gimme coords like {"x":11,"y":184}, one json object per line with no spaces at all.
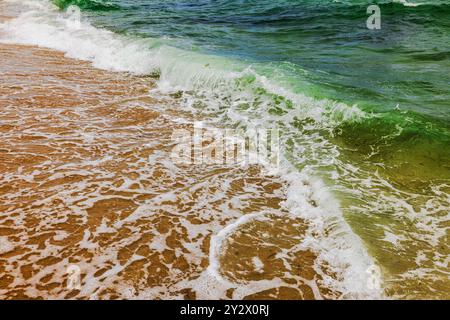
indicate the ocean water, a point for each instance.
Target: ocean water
{"x":364,"y":114}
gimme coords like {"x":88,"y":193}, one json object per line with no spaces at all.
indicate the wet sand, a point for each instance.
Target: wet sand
{"x":85,"y":180}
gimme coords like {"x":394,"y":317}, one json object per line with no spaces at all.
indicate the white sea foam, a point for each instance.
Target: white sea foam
{"x":408,"y":4}
{"x":5,"y":245}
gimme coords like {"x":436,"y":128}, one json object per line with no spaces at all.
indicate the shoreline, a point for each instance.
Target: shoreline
{"x":67,"y":154}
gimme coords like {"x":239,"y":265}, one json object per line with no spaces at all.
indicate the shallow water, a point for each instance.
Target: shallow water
{"x":360,"y":187}
{"x":87,"y":181}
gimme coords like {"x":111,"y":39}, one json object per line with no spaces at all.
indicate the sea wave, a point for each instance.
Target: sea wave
{"x":239,"y":96}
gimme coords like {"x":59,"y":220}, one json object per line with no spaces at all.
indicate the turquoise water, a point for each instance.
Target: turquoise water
{"x":386,"y":158}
